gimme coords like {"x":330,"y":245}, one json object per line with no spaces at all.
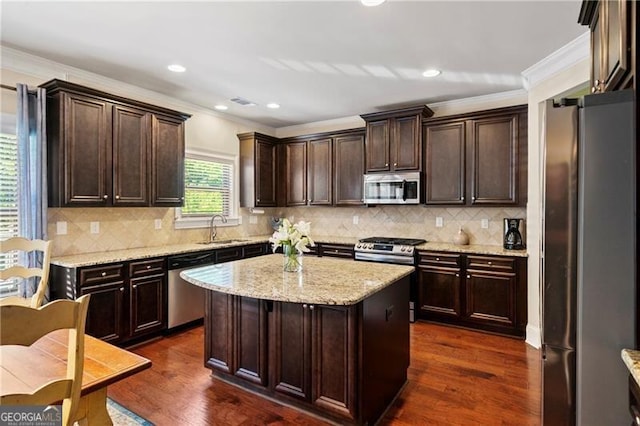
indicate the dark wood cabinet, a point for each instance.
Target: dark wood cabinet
{"x":394,"y":139}
{"x":477,"y":159}
{"x":320,"y":172}
{"x":258,"y":170}
{"x":610,"y":23}
{"x":128,"y":300}
{"x":482,"y":292}
{"x":251,"y":340}
{"x":296,"y":173}
{"x":349,"y":170}
{"x":105,"y":150}
{"x":167,"y":159}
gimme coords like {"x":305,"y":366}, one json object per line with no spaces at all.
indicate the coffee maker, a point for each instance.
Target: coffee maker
{"x":513,"y":234}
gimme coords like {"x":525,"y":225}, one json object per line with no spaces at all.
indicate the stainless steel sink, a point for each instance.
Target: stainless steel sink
{"x":220,"y":242}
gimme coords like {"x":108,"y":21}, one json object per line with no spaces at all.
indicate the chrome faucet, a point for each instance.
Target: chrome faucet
{"x":213,"y":229}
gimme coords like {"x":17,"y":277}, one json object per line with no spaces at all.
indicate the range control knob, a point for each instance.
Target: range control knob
{"x":359,"y":245}
{"x":403,"y":248}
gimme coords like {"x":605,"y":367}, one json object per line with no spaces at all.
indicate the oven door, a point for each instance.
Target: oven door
{"x":392,"y":189}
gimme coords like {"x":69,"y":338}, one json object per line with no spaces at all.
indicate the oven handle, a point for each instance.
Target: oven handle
{"x":374,"y":257}
{"x":404,"y":190}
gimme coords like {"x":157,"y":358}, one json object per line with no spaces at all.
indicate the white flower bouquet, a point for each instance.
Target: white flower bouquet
{"x":294,"y":240}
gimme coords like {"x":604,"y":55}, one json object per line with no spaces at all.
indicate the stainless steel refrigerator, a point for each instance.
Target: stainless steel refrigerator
{"x":588,"y":258}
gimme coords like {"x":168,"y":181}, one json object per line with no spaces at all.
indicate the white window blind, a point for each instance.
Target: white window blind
{"x":8,"y":207}
{"x":208,"y":187}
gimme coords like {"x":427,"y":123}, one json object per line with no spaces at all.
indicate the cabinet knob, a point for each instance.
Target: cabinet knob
{"x":489,"y":263}
{"x":304,"y":306}
{"x":181,"y":198}
{"x":117,"y":197}
{"x":311,"y":307}
{"x":386,"y":164}
{"x":257,"y":199}
{"x":135,"y":286}
{"x":121,"y":289}
{"x":438,"y":259}
{"x":468,"y":276}
{"x":148,"y":266}
{"x":462,"y":198}
{"x":105,"y":196}
{"x":395,"y":164}
{"x":473,"y":198}
{"x":104,"y":274}
{"x":457,"y":275}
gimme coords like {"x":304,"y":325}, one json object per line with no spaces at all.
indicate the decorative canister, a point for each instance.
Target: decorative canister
{"x":461,"y":238}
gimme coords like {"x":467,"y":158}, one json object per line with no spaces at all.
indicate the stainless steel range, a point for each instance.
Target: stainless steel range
{"x":387,"y":250}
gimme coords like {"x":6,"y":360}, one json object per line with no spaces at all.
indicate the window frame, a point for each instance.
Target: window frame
{"x":203,"y":221}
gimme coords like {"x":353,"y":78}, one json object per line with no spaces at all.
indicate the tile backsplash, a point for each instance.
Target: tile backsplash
{"x":123,"y":228}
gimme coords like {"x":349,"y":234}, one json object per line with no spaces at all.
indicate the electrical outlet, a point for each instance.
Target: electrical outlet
{"x":484,"y":223}
{"x":61,"y":228}
{"x":95,"y":227}
{"x":356,"y":220}
{"x":157,"y":223}
{"x":253,"y":219}
{"x":439,"y":222}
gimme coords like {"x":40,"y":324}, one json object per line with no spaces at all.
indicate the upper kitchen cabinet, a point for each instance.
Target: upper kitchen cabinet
{"x":349,"y":162}
{"x":258,"y":170}
{"x":611,"y":41}
{"x":394,"y":139}
{"x":477,"y":159}
{"x":105,"y":150}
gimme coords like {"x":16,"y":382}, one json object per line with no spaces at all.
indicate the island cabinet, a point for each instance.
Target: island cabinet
{"x":612,"y":25}
{"x":258,"y":170}
{"x":477,"y":291}
{"x":477,"y":159}
{"x":128,"y":299}
{"x":105,"y":150}
{"x":394,"y":139}
{"x":323,"y":169}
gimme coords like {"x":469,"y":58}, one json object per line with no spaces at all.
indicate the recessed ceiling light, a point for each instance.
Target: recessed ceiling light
{"x":372,"y":2}
{"x":221,"y":107}
{"x":273,"y":105}
{"x":176,"y":68}
{"x":431,"y":73}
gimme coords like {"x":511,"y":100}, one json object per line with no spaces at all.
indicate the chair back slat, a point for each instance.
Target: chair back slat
{"x":20,"y":271}
{"x":44,"y":395}
{"x":32,"y":323}
{"x":26,"y":245}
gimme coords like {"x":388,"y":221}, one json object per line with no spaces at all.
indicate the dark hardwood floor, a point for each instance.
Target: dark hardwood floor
{"x":456,"y":377}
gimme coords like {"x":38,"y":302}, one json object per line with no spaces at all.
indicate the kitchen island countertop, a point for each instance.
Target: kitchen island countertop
{"x":631,"y":359}
{"x":323,"y":280}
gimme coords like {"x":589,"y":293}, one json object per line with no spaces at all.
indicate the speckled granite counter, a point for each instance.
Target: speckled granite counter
{"x":631,"y":359}
{"x":471,"y":249}
{"x":323,"y":280}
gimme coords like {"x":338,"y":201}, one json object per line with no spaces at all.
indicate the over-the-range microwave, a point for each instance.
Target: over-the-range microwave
{"x":400,"y":188}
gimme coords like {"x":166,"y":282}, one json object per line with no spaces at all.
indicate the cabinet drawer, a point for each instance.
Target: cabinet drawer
{"x":255,"y":250}
{"x":439,"y":259}
{"x":335,"y":250}
{"x":101,"y":274}
{"x":491,"y":263}
{"x":146,"y":267}
{"x":229,"y":254}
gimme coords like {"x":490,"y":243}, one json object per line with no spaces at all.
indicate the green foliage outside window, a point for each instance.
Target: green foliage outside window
{"x":207,"y":187}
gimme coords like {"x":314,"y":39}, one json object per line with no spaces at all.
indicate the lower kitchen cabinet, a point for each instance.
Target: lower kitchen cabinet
{"x":483,"y":292}
{"x":128,"y":300}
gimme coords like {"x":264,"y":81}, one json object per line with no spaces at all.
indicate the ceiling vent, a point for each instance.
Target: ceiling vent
{"x":243,"y":102}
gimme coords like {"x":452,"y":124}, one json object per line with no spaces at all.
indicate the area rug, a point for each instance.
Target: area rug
{"x":124,"y":417}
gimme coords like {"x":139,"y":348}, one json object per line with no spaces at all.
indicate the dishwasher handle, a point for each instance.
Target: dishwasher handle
{"x":193,"y":259}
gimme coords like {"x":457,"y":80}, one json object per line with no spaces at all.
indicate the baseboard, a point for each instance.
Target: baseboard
{"x":534,"y":337}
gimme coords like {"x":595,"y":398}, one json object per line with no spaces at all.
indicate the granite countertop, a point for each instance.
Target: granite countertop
{"x":323,"y":280}
{"x":631,"y":359}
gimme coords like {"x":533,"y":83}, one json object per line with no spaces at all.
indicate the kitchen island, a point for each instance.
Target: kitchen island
{"x":332,"y":339}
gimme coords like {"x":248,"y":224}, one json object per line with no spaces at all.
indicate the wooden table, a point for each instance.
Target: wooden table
{"x":24,"y":369}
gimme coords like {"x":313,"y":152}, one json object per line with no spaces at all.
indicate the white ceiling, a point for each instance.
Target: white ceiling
{"x":318,"y":59}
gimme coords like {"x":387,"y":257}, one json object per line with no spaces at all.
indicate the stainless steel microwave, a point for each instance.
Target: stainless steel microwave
{"x":400,"y":188}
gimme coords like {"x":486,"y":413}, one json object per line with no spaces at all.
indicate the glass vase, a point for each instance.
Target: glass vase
{"x":292,"y":259}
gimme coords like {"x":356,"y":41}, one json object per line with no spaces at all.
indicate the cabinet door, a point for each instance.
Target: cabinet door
{"x":167,"y":159}
{"x":87,"y":153}
{"x":494,"y":160}
{"x":377,"y":146}
{"x":445,"y":163}
{"x":406,"y":143}
{"x":131,"y":134}
{"x":147,"y":304}
{"x":319,"y":169}
{"x":334,"y":360}
{"x":491,"y":297}
{"x":439,"y":293}
{"x":616,"y":52}
{"x":251,"y":340}
{"x":218,"y":331}
{"x":290,"y":335}
{"x":296,"y":173}
{"x":265,"y":173}
{"x":349,"y":170}
{"x":105,"y":318}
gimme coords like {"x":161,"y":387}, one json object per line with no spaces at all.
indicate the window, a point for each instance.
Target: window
{"x":8,"y":207}
{"x":210,"y":189}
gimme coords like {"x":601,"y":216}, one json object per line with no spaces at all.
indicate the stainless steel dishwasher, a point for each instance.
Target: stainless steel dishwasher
{"x":186,"y":301}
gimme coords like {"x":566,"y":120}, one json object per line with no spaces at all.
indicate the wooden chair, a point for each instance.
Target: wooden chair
{"x":23,"y":325}
{"x":25,"y":245}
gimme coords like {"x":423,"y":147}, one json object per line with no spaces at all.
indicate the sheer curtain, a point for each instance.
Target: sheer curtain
{"x":32,"y":173}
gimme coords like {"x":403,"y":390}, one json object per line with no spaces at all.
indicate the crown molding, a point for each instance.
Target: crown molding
{"x":560,"y":60}
{"x":38,"y":67}
{"x":513,"y":97}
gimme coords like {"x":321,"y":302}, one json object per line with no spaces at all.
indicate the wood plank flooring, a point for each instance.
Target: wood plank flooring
{"x":456,"y":377}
